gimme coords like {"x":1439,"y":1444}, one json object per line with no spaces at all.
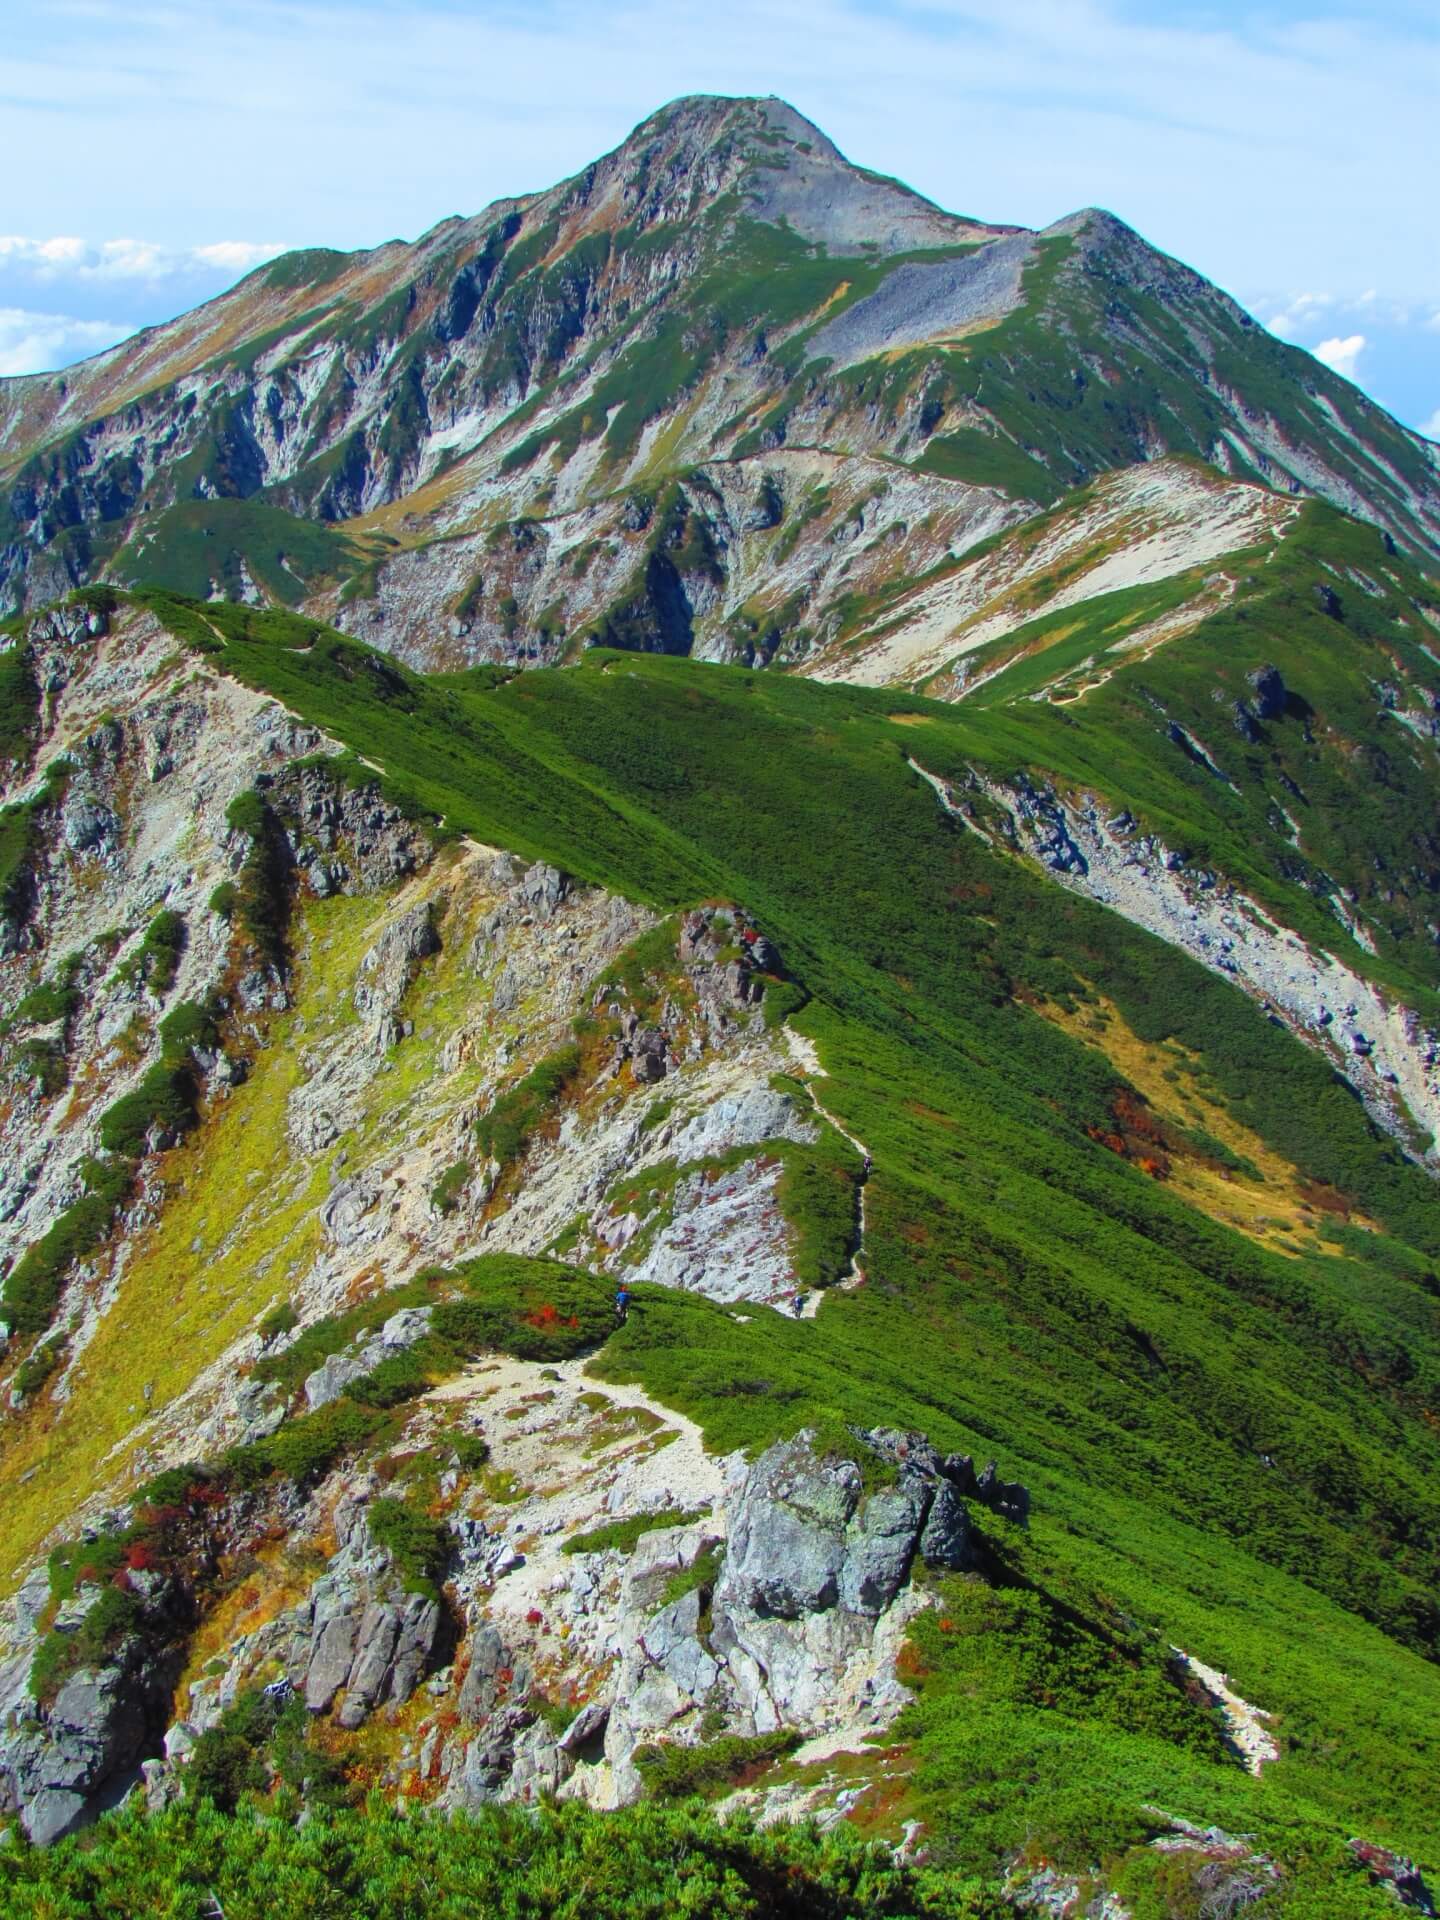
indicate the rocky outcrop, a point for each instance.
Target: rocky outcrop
{"x":1397,"y":1873}
{"x":338,"y":1371}
{"x":1380,"y":1045}
{"x":345,"y":838}
{"x":794,"y":1621}
{"x":63,"y":1759}
{"x":388,"y":969}
{"x":358,"y":1640}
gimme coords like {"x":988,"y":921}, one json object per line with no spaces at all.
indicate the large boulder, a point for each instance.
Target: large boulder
{"x":58,"y":1761}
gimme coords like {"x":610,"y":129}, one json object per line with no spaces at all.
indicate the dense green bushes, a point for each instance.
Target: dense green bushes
{"x":57,"y":998}
{"x":534,"y":1309}
{"x":258,"y":900}
{"x":563,"y":1862}
{"x":673,"y":1772}
{"x":418,"y":1545}
{"x":164,"y":1100}
{"x":446,"y":1192}
{"x":156,"y":960}
{"x":111,"y":1616}
{"x":19,"y":702}
{"x":32,"y":1287}
{"x":518,"y":1113}
{"x":620,"y":1536}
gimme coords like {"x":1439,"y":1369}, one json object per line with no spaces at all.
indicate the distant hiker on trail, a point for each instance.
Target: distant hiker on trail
{"x":622,"y":1305}
{"x":797,"y":1304}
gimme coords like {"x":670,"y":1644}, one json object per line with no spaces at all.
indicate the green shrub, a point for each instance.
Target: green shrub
{"x":157,"y":960}
{"x":112,"y":1615}
{"x":472,"y":1450}
{"x":173,"y":1487}
{"x":281,"y":1319}
{"x":260,"y":901}
{"x":165,"y":1098}
{"x":533,"y":1309}
{"x":189,"y":1026}
{"x":54,"y":999}
{"x":702,"y":1573}
{"x":620,"y":1536}
{"x":517,"y":1114}
{"x":305,"y":1448}
{"x":323,"y":1337}
{"x":377,"y":1862}
{"x":42,"y":1062}
{"x":223,"y":1766}
{"x":446,"y":1192}
{"x":224,"y":899}
{"x":398,"y":1377}
{"x":36,"y":1368}
{"x":672,"y":1772}
{"x":418,"y":1545}
{"x":19,"y":703}
{"x":247,"y":813}
{"x":32,"y":1287}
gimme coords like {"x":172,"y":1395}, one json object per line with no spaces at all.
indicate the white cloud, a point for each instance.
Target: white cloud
{"x":66,"y":257}
{"x":239,"y":256}
{"x":1431,"y":427}
{"x":34,"y":342}
{"x":1294,"y":315}
{"x":1342,"y":356}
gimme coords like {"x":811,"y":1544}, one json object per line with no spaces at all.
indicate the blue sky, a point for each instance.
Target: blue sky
{"x":1288,"y":150}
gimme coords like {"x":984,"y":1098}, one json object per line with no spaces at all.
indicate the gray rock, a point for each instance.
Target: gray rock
{"x":787,"y":1542}
{"x":330,"y":1380}
{"x":880,"y":1545}
{"x":332,"y":1649}
{"x":374,"y":1650}
{"x":416,"y":1633}
{"x":88,"y":827}
{"x":1270,"y":692}
{"x":389,"y":967}
{"x":482,"y":1688}
{"x":587,"y":1725}
{"x":52,"y":1766}
{"x":945,"y":1542}
{"x":542,"y":889}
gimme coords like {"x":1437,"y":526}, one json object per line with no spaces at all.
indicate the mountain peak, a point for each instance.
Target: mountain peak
{"x":779,"y":166}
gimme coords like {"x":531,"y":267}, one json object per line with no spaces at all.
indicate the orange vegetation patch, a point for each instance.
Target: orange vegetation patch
{"x":1168,"y":1122}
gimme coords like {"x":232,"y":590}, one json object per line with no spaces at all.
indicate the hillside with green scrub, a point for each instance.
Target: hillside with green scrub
{"x":1228,"y":1437}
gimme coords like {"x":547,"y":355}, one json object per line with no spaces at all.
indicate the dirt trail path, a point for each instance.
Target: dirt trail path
{"x":803,"y":1052}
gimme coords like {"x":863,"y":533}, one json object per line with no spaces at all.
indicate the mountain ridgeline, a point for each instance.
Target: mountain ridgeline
{"x":867,"y":781}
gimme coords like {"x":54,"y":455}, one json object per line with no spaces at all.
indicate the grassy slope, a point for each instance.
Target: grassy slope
{"x":1357,"y":784}
{"x":1030,"y":1293}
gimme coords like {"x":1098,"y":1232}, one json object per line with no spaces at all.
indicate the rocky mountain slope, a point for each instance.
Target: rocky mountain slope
{"x":866,"y":779}
{"x":723,"y":285}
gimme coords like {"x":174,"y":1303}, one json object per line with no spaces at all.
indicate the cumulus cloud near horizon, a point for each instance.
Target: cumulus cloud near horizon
{"x":33,"y":342}
{"x":68,"y":256}
{"x":1342,"y":356}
